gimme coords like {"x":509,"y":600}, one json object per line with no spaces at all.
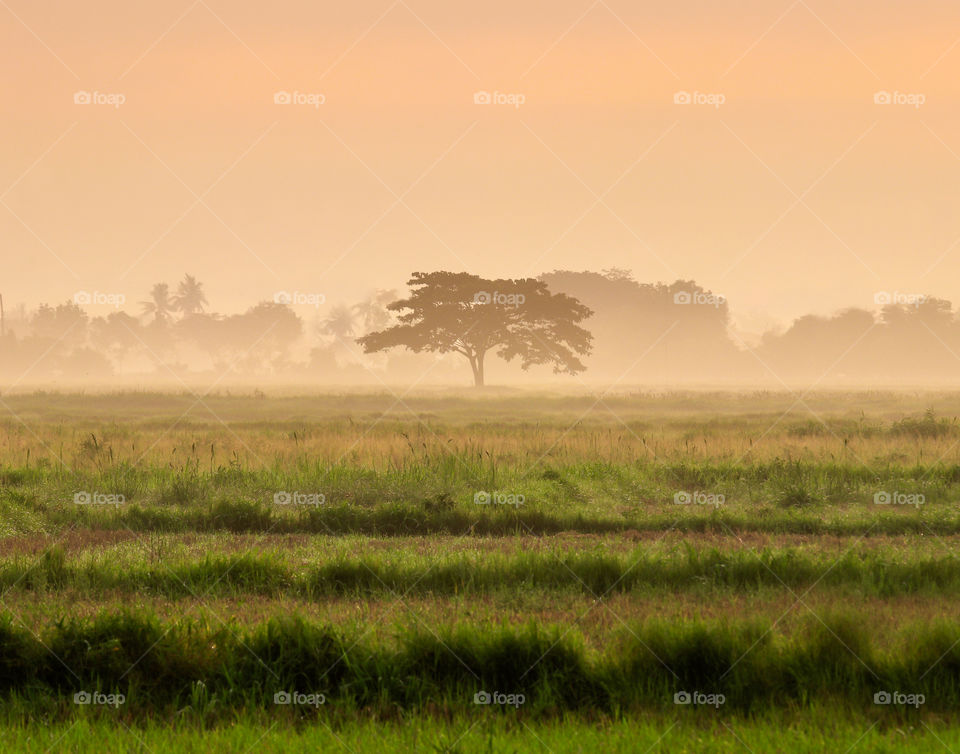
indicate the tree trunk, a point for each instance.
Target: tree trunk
{"x":476,"y":364}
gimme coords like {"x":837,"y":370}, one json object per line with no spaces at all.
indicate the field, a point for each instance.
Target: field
{"x":492,"y":571}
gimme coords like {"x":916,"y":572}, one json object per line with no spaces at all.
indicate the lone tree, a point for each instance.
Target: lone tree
{"x":449,"y":311}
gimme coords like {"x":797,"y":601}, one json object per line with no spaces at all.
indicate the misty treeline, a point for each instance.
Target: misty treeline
{"x":641,"y":333}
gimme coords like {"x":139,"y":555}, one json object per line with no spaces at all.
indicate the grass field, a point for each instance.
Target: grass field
{"x":503,"y":571}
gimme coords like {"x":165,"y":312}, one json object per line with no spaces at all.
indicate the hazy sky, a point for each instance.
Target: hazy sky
{"x":797,"y":194}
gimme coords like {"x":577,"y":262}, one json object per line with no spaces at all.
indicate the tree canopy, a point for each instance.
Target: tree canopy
{"x":458,"y":312}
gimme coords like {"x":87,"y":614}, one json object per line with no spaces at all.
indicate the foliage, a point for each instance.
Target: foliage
{"x":466,"y":314}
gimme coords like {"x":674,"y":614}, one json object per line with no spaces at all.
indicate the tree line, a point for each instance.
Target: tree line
{"x":605,"y":324}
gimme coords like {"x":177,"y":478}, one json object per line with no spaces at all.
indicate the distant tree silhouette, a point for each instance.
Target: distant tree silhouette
{"x":207,"y":332}
{"x":115,"y":336}
{"x":907,"y":343}
{"x":463,"y":313}
{"x":373,"y":311}
{"x":264,"y":334}
{"x":652,"y":331}
{"x":340,"y":324}
{"x":161,"y":305}
{"x":655,"y":333}
{"x":65,"y":325}
{"x":813,"y":344}
{"x":190,"y":298}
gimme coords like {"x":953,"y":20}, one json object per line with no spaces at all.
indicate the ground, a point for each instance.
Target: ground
{"x":480,"y":571}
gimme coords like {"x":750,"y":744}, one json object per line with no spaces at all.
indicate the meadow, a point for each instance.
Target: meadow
{"x":504,"y":570}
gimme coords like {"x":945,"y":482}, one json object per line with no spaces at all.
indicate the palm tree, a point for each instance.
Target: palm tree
{"x":340,"y":323}
{"x":340,"y":326}
{"x":190,"y":298}
{"x":373,"y":311}
{"x":160,"y":305}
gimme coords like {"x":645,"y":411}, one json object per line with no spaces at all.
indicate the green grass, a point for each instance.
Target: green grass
{"x":676,"y":734}
{"x":879,"y":572}
{"x":401,"y":519}
{"x":161,"y":668}
{"x":483,"y":599}
{"x":455,"y":476}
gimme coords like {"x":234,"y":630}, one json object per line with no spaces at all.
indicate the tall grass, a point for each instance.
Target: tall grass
{"x":438,"y":493}
{"x":160,"y":667}
{"x":867,"y":573}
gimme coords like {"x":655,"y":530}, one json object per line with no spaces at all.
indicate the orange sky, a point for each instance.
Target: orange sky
{"x":798,"y":194}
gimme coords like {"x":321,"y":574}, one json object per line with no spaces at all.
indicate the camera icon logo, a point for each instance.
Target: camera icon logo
{"x":282,"y":498}
{"x":282,"y":297}
{"x":282,"y":98}
{"x":482,"y":297}
{"x":882,"y":298}
{"x":481,"y":498}
{"x":82,"y":697}
{"x":882,"y":498}
{"x":81,"y":98}
{"x":682,"y":697}
{"x":682,"y":297}
{"x":82,"y":498}
{"x":882,"y":697}
{"x":682,"y":498}
{"x":682,"y":98}
{"x":482,"y":98}
{"x":882,"y":98}
{"x":481,"y":697}
{"x":82,"y":298}
{"x":282,"y":697}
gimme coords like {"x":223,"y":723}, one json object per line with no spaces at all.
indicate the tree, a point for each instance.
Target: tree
{"x":55,"y":332}
{"x":373,"y":310}
{"x":340,"y":323}
{"x":190,"y":298}
{"x":645,"y":332}
{"x":265,"y":333}
{"x":462,"y":313}
{"x":65,"y":325}
{"x":161,"y":306}
{"x":116,"y":336}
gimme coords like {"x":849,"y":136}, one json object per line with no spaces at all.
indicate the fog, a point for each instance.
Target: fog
{"x":792,"y":169}
{"x":641,"y":333}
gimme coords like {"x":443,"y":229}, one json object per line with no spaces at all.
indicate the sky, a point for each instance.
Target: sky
{"x":333,"y":148}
